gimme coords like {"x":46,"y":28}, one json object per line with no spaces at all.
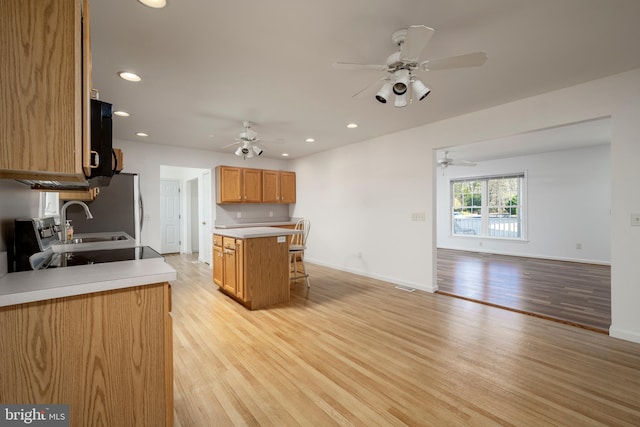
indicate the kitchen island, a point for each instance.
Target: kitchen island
{"x":95,"y":337}
{"x":252,"y":264}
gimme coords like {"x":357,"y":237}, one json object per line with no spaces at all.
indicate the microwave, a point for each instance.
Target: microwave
{"x":102,"y":154}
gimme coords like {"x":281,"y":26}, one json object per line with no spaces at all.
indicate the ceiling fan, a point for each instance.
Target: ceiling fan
{"x":402,"y":65}
{"x":247,"y":142}
{"x":447,"y":161}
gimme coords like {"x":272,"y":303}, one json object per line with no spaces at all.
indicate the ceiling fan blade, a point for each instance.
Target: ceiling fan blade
{"x":351,"y":66}
{"x":417,"y":38}
{"x":462,"y":163}
{"x":229,"y":145}
{"x":367,"y":87}
{"x":468,"y":60}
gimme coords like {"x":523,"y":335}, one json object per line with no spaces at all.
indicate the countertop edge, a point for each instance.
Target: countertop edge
{"x":255,"y":232}
{"x":33,"y":286}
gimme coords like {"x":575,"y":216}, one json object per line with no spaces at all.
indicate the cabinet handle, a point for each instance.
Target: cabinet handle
{"x":97,"y":157}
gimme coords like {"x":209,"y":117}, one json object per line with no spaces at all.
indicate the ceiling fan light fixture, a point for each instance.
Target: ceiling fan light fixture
{"x":420,"y":91}
{"x":401,"y":100}
{"x":401,"y":83}
{"x":156,"y":4}
{"x":257,"y":150}
{"x":384,"y":93}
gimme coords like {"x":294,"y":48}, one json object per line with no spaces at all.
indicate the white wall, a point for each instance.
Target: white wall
{"x":146,"y":160}
{"x":360,"y":198}
{"x":568,"y":196}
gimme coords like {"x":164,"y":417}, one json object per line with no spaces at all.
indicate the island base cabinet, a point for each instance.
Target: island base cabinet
{"x":108,"y":355}
{"x":255,"y":272}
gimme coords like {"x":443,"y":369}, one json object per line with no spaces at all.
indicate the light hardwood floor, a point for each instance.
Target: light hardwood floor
{"x":353,"y":351}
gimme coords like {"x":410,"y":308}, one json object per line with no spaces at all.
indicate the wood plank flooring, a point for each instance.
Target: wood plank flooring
{"x":575,"y":293}
{"x":353,"y":351}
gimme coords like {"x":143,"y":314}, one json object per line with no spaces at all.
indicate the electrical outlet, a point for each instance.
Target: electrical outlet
{"x":635,"y":219}
{"x":578,"y":245}
{"x":418,"y":216}
{"x":238,"y":214}
{"x":270,"y":214}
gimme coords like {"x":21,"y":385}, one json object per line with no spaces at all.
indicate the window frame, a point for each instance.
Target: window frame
{"x":484,"y":229}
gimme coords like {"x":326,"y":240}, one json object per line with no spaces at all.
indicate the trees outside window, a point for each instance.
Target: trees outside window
{"x":488,"y":206}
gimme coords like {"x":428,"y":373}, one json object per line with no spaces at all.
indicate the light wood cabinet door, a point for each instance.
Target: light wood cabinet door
{"x":107,"y":355}
{"x":287,"y":187}
{"x":43,"y":94}
{"x":270,"y":186}
{"x":228,"y":184}
{"x":238,"y":185}
{"x":240,"y":288}
{"x":252,"y":185}
{"x":230,"y":272}
{"x":278,"y":186}
{"x":218,"y":267}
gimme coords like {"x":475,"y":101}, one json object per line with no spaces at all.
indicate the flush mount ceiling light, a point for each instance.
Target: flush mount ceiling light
{"x":129,"y":76}
{"x":352,"y":125}
{"x":121,"y":113}
{"x":309,"y":140}
{"x":142,"y":134}
{"x":285,"y":154}
{"x":156,"y":4}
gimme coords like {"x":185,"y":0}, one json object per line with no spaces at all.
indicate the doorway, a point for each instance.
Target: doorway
{"x":194,"y":209}
{"x":566,"y":214}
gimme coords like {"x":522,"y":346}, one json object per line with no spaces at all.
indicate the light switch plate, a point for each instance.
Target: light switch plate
{"x":635,"y":219}
{"x":418,"y":216}
{"x":282,"y":239}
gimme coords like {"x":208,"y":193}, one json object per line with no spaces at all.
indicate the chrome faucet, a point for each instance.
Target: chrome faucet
{"x":63,"y":215}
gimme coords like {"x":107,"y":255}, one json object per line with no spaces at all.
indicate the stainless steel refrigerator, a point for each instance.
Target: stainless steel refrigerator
{"x":118,"y":207}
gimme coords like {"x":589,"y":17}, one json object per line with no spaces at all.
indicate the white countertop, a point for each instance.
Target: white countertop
{"x":254,"y":232}
{"x":255,"y":224}
{"x":30,"y":286}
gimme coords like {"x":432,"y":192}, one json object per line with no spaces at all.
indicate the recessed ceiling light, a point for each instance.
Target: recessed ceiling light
{"x":121,"y":113}
{"x":352,"y":125}
{"x":156,"y":4}
{"x":128,"y":76}
{"x":309,"y":140}
{"x":285,"y":154}
{"x":142,"y":134}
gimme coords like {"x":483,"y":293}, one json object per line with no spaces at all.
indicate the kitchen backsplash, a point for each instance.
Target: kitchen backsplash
{"x":248,"y":213}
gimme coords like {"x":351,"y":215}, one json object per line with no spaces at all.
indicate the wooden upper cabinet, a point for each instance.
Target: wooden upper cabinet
{"x":238,"y":185}
{"x":278,"y":186}
{"x":242,"y":185}
{"x":287,"y":187}
{"x":270,"y":186}
{"x":44,"y":93}
{"x":252,"y":185}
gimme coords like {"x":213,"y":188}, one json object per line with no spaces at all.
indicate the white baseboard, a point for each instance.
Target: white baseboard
{"x":624,"y":334}
{"x":392,"y":280}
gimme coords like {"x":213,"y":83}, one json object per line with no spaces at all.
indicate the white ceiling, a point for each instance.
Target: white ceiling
{"x":209,"y":65}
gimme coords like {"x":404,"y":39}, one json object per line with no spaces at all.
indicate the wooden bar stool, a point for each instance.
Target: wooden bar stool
{"x":296,"y":251}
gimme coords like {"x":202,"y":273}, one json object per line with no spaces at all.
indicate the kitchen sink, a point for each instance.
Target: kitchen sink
{"x":96,"y":241}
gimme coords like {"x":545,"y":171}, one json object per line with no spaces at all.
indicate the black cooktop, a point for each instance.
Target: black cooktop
{"x":68,"y":259}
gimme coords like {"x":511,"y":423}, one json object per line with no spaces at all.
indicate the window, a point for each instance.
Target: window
{"x":488,"y":207}
{"x":50,"y":204}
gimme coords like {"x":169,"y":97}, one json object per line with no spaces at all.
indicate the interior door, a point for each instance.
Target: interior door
{"x":170,"y":216}
{"x":206,"y":226}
